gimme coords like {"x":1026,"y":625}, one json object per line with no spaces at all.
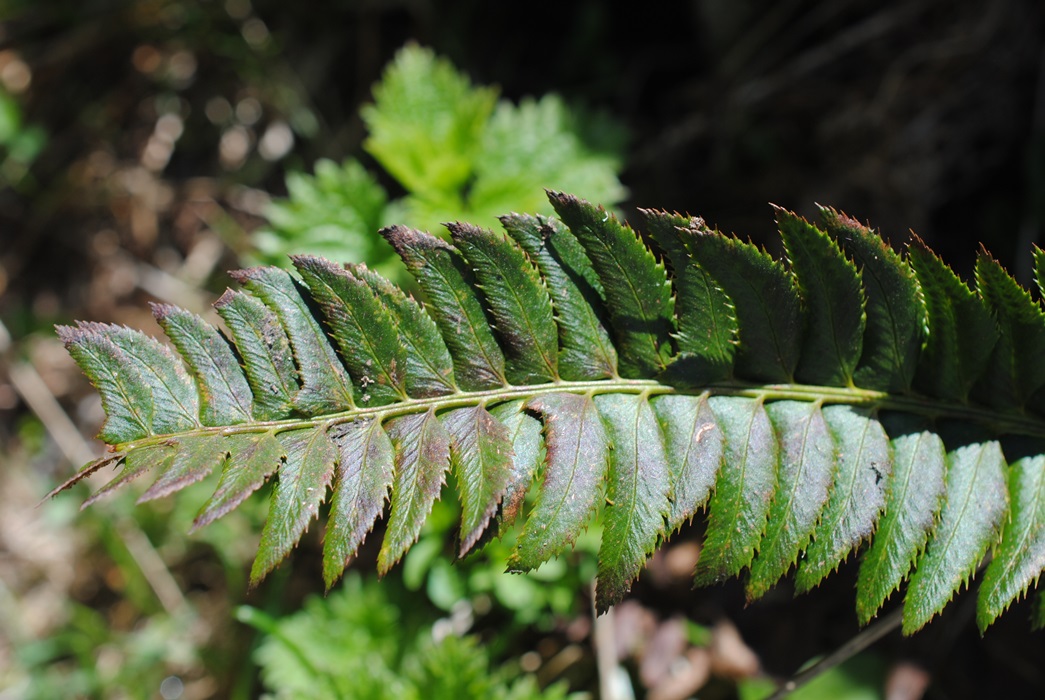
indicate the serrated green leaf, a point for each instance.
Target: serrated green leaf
{"x":125,"y":396}
{"x":422,"y":456}
{"x":1016,"y":370}
{"x":911,"y":506}
{"x":426,"y":123}
{"x":310,"y":457}
{"x":974,"y":506}
{"x":895,"y":323}
{"x":325,"y":386}
{"x":833,"y":299}
{"x":136,"y":463}
{"x":333,"y":213}
{"x":196,"y":457}
{"x":518,"y":301}
{"x":961,"y":332}
{"x":857,"y":496}
{"x":85,"y":471}
{"x":253,"y":457}
{"x":739,"y":507}
{"x":481,"y":457}
{"x":638,"y":295}
{"x":765,"y":304}
{"x":225,"y":396}
{"x":440,"y":271}
{"x":1039,"y":268}
{"x":172,"y":403}
{"x":637,"y":497}
{"x":693,"y":444}
{"x":1018,"y":560}
{"x":707,"y":327}
{"x":577,"y":456}
{"x":524,"y":434}
{"x":363,"y":329}
{"x":534,"y":146}
{"x":265,"y":350}
{"x":805,"y":475}
{"x":429,"y":368}
{"x":362,"y":479}
{"x":585,"y":348}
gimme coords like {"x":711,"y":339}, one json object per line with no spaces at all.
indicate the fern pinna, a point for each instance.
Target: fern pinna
{"x":843,"y":396}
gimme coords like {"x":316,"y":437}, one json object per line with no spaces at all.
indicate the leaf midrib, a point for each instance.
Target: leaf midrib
{"x":933,"y":409}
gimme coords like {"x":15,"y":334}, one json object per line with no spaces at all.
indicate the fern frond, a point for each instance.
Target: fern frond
{"x":847,"y":395}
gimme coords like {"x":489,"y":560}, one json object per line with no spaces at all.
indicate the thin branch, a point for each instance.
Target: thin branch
{"x":865,"y":638}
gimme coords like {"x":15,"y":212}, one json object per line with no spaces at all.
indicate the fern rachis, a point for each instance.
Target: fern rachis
{"x":845,"y":395}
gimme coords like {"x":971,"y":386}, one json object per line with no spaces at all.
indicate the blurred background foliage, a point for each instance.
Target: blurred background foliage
{"x":146,"y":146}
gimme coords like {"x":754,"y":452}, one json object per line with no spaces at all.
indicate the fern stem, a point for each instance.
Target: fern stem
{"x":863,"y":639}
{"x":1011,"y":424}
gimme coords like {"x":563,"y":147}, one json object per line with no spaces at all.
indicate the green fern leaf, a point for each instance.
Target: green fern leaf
{"x":196,"y":457}
{"x":740,"y":505}
{"x":1016,"y":371}
{"x":707,"y":325}
{"x":225,"y":396}
{"x":125,"y":395}
{"x":148,"y":388}
{"x":764,"y":303}
{"x":363,"y":329}
{"x":637,"y":497}
{"x":527,"y":456}
{"x":253,"y":457}
{"x":422,"y":451}
{"x":265,"y":351}
{"x":361,"y":483}
{"x":325,"y":386}
{"x":585,"y":348}
{"x":577,"y":459}
{"x":857,"y":496}
{"x":638,"y":295}
{"x":429,"y":369}
{"x":694,"y":450}
{"x":894,"y":328}
{"x":834,"y":300}
{"x":1017,"y":562}
{"x":440,"y":270}
{"x":974,"y":505}
{"x":851,"y":396}
{"x":308,"y":466}
{"x":911,"y":507}
{"x":807,"y":464}
{"x":961,"y":332}
{"x":481,"y":454}
{"x":519,"y":303}
{"x":135,"y":463}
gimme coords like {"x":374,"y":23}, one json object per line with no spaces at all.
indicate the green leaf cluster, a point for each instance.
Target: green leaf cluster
{"x":844,"y":397}
{"x":358,"y":643}
{"x":456,"y":150}
{"x":20,"y":142}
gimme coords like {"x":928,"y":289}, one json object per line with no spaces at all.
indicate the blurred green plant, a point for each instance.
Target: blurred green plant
{"x":358,"y":643}
{"x":84,"y":647}
{"x":861,"y":677}
{"x":20,"y":143}
{"x":457,"y":151}
{"x":556,"y":589}
{"x":333,"y":213}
